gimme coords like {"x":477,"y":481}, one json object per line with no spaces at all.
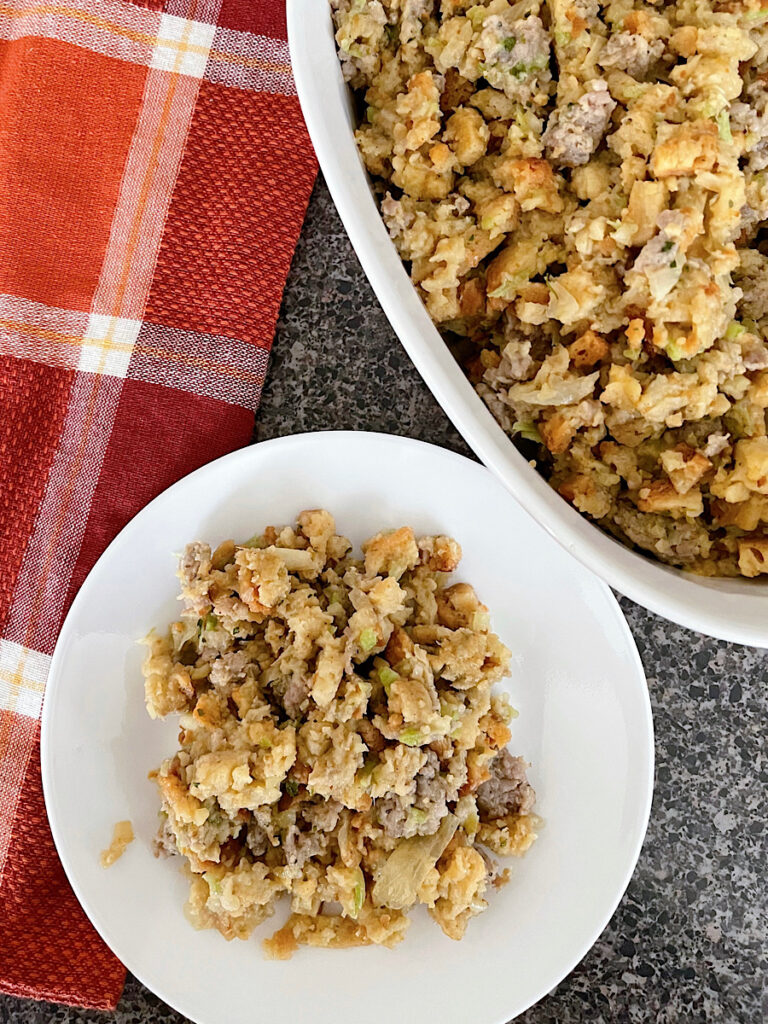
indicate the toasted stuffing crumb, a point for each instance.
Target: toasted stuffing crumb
{"x":339,"y":743}
{"x":122,"y":836}
{"x":580,"y":191}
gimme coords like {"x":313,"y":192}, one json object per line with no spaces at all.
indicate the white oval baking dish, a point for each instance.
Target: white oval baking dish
{"x":735,"y":610}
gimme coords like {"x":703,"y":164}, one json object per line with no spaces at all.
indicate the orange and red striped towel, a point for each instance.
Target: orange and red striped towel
{"x":154,"y":172}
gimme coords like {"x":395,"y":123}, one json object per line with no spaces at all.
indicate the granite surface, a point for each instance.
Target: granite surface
{"x":689,"y":942}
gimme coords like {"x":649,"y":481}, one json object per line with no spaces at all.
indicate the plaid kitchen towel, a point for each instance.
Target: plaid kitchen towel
{"x":154,"y":171}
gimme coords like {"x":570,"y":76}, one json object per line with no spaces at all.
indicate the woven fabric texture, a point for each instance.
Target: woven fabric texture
{"x":155,"y":170}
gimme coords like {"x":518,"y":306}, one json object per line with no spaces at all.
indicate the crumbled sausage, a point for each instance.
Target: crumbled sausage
{"x":574,"y":132}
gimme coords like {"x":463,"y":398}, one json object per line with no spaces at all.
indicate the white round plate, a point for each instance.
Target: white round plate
{"x":585,"y":726}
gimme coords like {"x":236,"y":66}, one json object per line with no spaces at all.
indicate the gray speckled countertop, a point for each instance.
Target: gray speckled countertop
{"x":689,"y":942}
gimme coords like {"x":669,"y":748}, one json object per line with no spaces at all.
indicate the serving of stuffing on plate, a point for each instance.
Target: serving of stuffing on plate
{"x":580,"y":191}
{"x":339,"y":739}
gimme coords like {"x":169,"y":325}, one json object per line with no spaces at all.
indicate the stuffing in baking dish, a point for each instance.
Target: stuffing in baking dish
{"x":580,"y":190}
